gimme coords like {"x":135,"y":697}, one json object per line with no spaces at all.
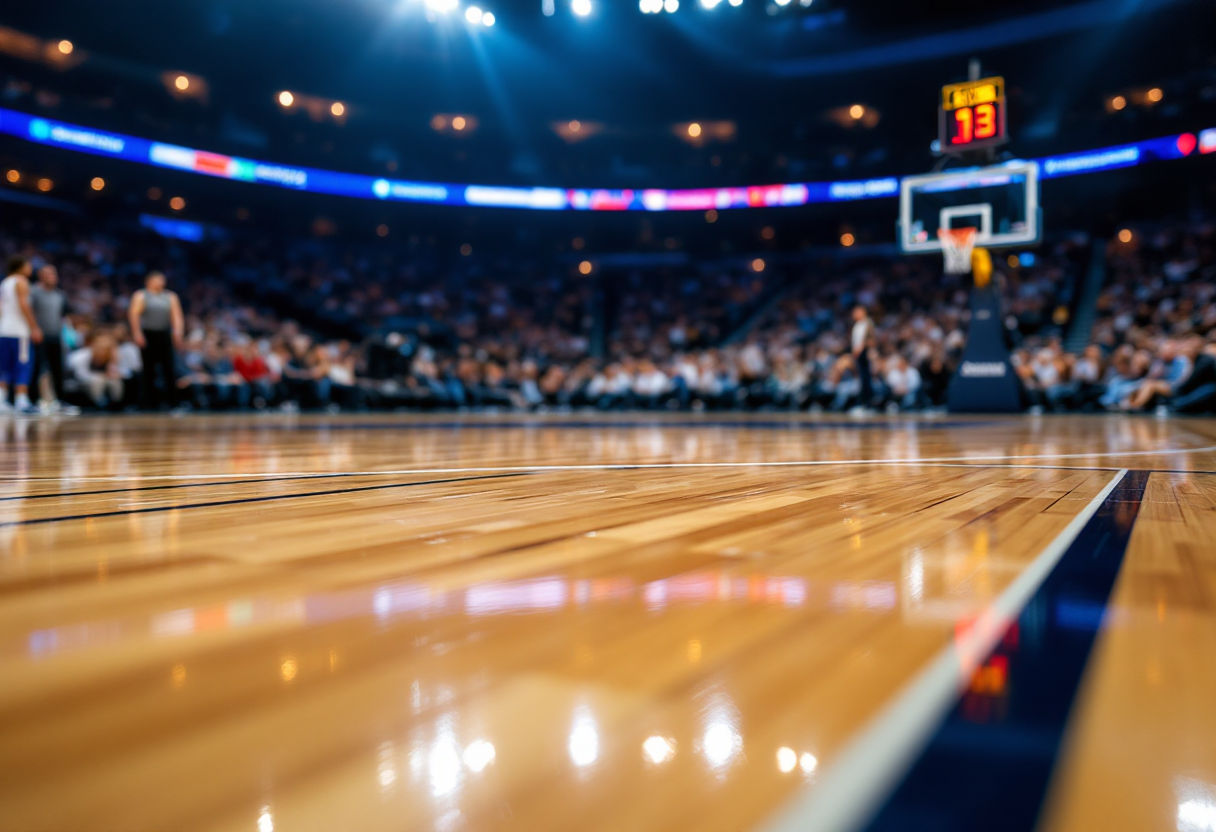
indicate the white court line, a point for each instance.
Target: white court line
{"x":854,"y":785}
{"x":617,"y":466}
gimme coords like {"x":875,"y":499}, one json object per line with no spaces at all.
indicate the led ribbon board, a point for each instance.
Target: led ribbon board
{"x":314,"y":180}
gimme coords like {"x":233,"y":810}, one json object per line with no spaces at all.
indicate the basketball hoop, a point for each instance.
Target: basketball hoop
{"x":957,"y":244}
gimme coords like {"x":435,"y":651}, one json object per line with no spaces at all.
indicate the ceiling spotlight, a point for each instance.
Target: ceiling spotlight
{"x":98,"y":183}
{"x":805,"y":3}
{"x":459,"y":123}
{"x":182,"y":83}
{"x":286,"y":98}
{"x":856,"y":112}
{"x":582,"y":8}
{"x":473,"y":14}
{"x":694,"y":130}
{"x":1118,"y":102}
{"x":783,"y":2}
{"x":66,"y":47}
{"x":709,"y":4}
{"x":338,"y":109}
{"x":1154,"y":95}
{"x":442,"y":6}
{"x":670,"y":6}
{"x":736,"y":2}
{"x":487,"y":19}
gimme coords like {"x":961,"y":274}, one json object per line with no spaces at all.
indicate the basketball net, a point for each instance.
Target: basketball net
{"x":957,"y":244}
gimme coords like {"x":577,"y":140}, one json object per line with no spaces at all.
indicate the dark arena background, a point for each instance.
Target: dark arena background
{"x":608,"y":416}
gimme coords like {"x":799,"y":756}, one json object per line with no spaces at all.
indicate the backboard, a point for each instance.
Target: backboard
{"x":1000,"y":201}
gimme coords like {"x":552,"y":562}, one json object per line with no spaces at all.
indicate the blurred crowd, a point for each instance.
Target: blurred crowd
{"x":1153,"y":343}
{"x":312,"y":328}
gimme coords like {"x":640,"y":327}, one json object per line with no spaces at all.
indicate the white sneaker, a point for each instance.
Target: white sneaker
{"x":6,"y":408}
{"x":27,"y":409}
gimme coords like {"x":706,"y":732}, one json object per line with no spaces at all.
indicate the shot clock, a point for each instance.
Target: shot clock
{"x":972,"y":115}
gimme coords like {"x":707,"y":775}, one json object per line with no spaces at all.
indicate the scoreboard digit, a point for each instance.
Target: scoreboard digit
{"x":972,"y":115}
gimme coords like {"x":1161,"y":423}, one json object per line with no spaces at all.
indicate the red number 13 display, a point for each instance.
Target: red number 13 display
{"x":973,"y":115}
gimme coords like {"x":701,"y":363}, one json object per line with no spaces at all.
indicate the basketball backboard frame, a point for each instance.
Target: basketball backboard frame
{"x":988,"y":235}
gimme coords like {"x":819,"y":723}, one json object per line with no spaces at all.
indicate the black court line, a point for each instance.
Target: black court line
{"x":989,"y":764}
{"x":134,"y":489}
{"x":609,"y":467}
{"x":267,"y":499}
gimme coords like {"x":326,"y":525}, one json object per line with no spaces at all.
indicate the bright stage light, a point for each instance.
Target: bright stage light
{"x":182,"y":83}
{"x":473,"y":14}
{"x":650,"y":6}
{"x":670,"y":6}
{"x":782,"y":2}
{"x":66,"y":47}
{"x":338,"y":109}
{"x":286,"y":98}
{"x":582,"y":8}
{"x":487,"y":19}
{"x":442,"y":6}
{"x":736,"y":2}
{"x":709,"y":4}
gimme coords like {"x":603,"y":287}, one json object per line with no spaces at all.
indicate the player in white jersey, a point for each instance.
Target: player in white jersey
{"x":18,"y":333}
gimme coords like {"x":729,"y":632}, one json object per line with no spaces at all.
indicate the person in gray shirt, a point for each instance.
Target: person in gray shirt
{"x":157,"y":325}
{"x":50,"y":306}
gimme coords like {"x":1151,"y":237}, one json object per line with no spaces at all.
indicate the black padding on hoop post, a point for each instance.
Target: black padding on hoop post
{"x":985,"y":381}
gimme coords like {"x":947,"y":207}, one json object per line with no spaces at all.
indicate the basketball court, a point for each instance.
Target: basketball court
{"x":552,"y":556}
{"x":501,"y":622}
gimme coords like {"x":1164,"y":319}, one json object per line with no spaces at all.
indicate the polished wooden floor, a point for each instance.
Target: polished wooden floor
{"x":563,"y":623}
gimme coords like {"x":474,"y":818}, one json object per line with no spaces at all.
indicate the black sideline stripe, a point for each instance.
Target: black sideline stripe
{"x":989,"y":764}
